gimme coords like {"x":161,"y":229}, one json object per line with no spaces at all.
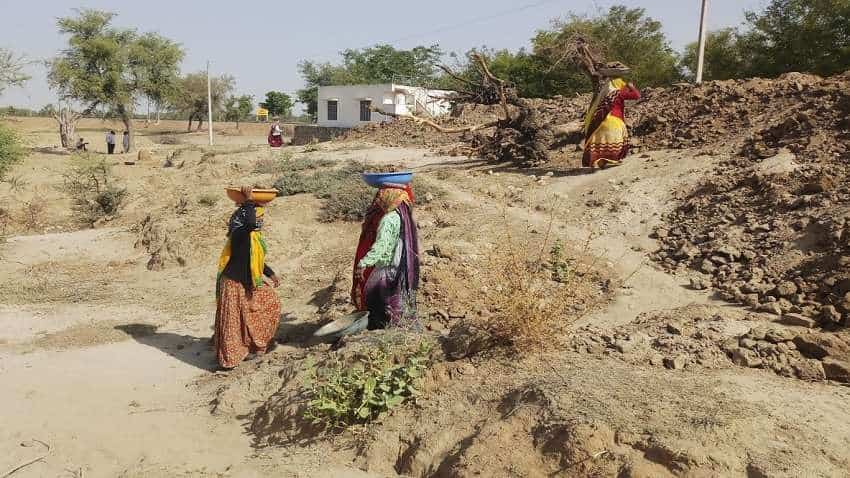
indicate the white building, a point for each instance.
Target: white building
{"x":350,"y":105}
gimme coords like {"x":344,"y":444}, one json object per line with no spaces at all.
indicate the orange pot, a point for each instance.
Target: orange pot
{"x":261,"y":196}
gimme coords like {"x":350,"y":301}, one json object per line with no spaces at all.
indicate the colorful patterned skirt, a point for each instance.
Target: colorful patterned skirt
{"x":275,"y":141}
{"x":608,"y":145}
{"x":244,"y":325}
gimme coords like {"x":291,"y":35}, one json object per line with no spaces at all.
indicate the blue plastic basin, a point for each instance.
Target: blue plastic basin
{"x":379,"y":179}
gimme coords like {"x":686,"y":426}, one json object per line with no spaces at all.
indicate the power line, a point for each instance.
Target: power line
{"x":485,"y":18}
{"x":455,"y":26}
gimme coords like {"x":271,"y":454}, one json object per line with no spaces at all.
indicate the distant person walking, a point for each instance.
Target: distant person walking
{"x":110,"y":142}
{"x":276,"y":134}
{"x":126,"y":141}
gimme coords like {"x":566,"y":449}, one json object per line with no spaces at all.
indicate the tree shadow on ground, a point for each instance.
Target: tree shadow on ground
{"x":193,"y":351}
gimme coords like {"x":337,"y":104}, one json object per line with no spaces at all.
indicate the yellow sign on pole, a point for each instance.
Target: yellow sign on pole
{"x":262,"y":114}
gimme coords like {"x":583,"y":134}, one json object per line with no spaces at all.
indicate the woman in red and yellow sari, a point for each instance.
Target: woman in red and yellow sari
{"x":606,"y":137}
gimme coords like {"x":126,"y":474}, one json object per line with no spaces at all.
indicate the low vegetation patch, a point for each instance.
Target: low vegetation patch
{"x":346,"y":196}
{"x":534,"y":290}
{"x":93,"y":190}
{"x":11,"y":150}
{"x":383,"y":378}
{"x":288,"y":163}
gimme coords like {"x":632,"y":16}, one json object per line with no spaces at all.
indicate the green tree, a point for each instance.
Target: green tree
{"x":237,"y":108}
{"x":724,"y":58}
{"x":529,"y":72}
{"x":11,"y":70}
{"x":157,"y":63}
{"x":102,"y":66}
{"x":278,"y":104}
{"x":11,"y":149}
{"x":799,"y":35}
{"x":316,"y":75}
{"x":621,"y":34}
{"x":378,"y":64}
{"x":191,"y":95}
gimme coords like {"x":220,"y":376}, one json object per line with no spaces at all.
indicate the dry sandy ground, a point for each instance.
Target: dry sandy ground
{"x":109,"y":364}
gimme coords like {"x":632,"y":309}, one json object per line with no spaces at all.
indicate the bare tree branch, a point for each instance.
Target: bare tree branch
{"x":441,"y":129}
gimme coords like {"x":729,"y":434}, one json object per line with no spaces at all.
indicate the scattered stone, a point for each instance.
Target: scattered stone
{"x":820,"y":345}
{"x":771,"y":308}
{"x":698,"y":283}
{"x":776,"y":336}
{"x":830,"y":314}
{"x":798,"y":320}
{"x":809,"y":370}
{"x":785,"y":289}
{"x":746,"y":358}
{"x":838,"y":370}
{"x":675,"y":363}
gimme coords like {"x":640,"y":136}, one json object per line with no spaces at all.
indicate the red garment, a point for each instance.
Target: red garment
{"x":275,"y":141}
{"x":385,"y":201}
{"x":618,"y":108}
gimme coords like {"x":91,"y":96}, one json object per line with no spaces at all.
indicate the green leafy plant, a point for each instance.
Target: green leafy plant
{"x":342,"y":394}
{"x":11,"y":149}
{"x":208,"y":200}
{"x":559,"y":264}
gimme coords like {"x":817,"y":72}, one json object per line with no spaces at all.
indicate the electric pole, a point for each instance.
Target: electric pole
{"x":702,"y":34}
{"x":209,"y":102}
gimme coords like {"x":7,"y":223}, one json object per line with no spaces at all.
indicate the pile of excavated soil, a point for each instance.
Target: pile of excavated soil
{"x":703,"y":337}
{"x":773,"y":234}
{"x":554,"y":111}
{"x":804,"y":113}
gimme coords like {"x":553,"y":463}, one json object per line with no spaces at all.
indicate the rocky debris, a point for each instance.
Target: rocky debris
{"x":763,"y":243}
{"x":802,"y":113}
{"x":686,"y":338}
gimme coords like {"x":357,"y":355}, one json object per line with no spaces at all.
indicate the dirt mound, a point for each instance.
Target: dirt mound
{"x":773,"y":234}
{"x":555,"y":111}
{"x":700,"y":337}
{"x":804,"y":113}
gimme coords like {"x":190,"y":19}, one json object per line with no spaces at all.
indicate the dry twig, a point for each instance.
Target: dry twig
{"x":31,"y":462}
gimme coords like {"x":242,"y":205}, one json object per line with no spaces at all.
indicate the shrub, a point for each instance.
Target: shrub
{"x":349,"y":203}
{"x":346,"y":196}
{"x":534,"y":291}
{"x":11,"y":150}
{"x":342,"y":394}
{"x":208,"y":200}
{"x":169,"y":139}
{"x":93,"y":192}
{"x":286,"y":163}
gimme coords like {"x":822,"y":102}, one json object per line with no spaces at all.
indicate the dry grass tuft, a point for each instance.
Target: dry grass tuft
{"x":535,"y":289}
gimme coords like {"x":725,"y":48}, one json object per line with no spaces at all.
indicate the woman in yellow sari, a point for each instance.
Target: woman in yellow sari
{"x":247,"y":307}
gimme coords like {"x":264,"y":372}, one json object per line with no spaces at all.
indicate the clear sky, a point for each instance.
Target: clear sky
{"x":260,"y":42}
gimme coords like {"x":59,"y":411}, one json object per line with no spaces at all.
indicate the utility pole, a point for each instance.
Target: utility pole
{"x":702,"y":34}
{"x":209,"y":102}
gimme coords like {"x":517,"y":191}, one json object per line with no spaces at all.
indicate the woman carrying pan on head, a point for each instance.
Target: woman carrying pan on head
{"x":386,"y":265}
{"x":247,"y":306}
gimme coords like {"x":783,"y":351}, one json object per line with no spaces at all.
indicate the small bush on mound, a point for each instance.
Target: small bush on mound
{"x":11,"y":150}
{"x":169,"y":139}
{"x":343,"y":394}
{"x":535,"y":291}
{"x":346,"y":196}
{"x":287,"y":164}
{"x":208,"y":200}
{"x":92,"y":189}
